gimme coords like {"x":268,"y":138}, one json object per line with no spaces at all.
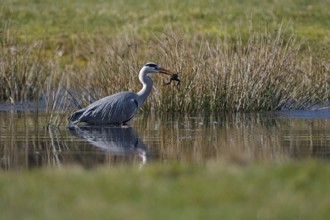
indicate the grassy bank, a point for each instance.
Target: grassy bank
{"x":232,"y":56}
{"x":291,"y":191}
{"x":60,"y":20}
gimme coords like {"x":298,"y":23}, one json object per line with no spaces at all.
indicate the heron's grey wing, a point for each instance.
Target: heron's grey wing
{"x":74,"y":118}
{"x":115,"y":109}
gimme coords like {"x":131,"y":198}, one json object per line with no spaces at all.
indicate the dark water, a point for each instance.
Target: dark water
{"x":26,"y":141}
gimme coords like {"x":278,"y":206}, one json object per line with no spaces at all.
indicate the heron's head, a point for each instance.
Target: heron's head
{"x":155,"y":68}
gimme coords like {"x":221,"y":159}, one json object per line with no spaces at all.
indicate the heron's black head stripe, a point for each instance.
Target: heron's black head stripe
{"x":151,"y":65}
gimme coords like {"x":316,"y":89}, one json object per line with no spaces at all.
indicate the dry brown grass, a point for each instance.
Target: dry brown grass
{"x":267,"y":72}
{"x":23,"y":70}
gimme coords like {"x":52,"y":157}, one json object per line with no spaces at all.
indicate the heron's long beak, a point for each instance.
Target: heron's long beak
{"x":165,"y":71}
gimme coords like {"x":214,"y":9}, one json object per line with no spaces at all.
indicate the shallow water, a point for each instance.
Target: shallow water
{"x":26,"y":142}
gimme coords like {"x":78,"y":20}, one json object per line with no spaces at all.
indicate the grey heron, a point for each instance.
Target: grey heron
{"x":121,"y":107}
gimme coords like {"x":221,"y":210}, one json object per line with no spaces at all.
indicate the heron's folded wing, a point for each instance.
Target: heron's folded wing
{"x":113,"y":109}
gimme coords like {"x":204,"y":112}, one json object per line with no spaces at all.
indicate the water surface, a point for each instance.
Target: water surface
{"x":27,"y":142}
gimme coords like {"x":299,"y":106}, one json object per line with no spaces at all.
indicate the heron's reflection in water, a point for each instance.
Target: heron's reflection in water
{"x":123,"y":141}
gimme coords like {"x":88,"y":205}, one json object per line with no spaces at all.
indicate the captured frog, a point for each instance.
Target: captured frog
{"x":174,"y":77}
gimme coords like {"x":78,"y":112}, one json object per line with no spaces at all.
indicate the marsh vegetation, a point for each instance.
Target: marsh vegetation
{"x":260,"y":68}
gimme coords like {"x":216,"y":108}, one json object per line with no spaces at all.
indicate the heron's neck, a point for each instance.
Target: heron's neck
{"x":147,"y":86}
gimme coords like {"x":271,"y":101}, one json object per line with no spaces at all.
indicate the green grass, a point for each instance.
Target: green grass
{"x":215,"y":191}
{"x":56,"y":19}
